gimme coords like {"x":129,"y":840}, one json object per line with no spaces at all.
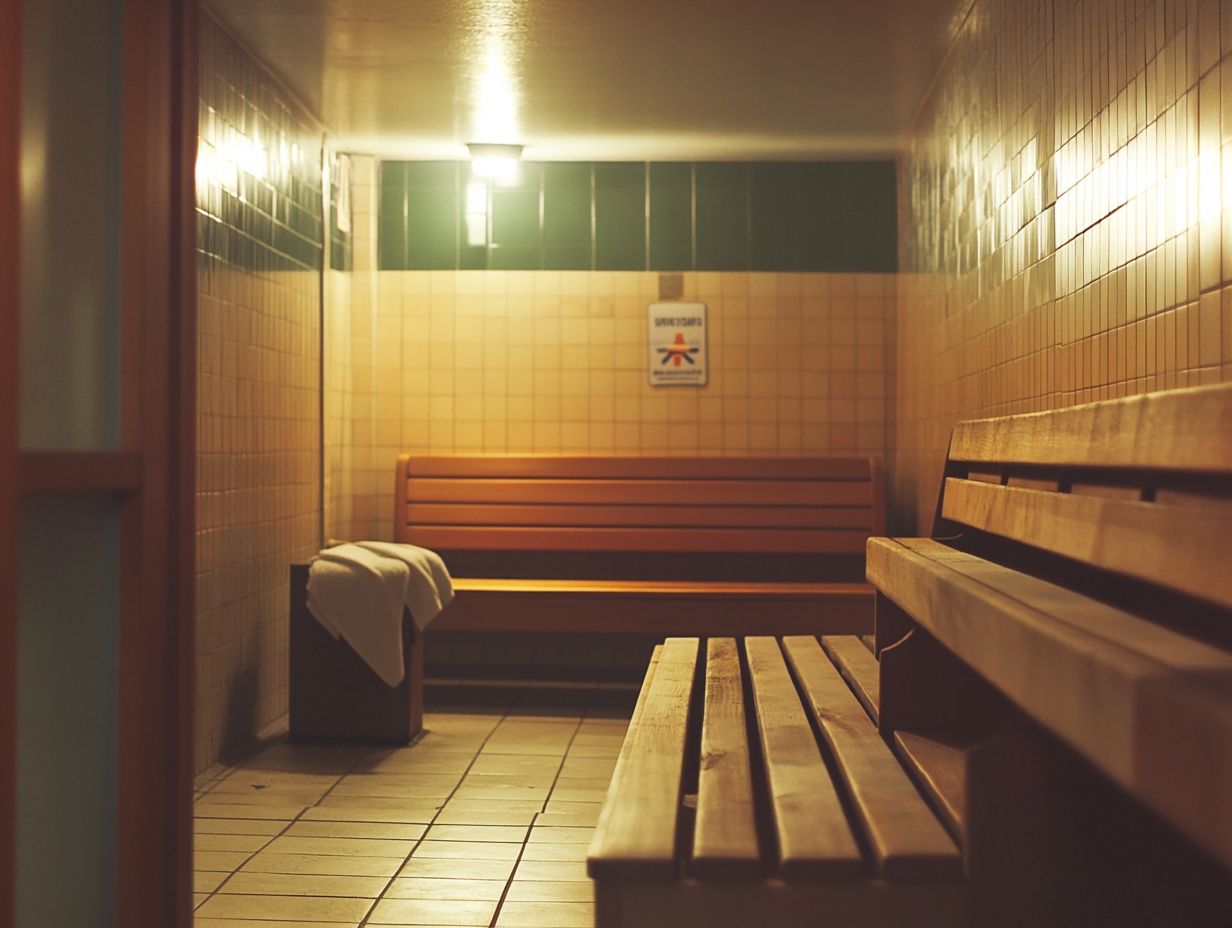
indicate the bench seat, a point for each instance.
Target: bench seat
{"x":656,"y":607}
{"x":1055,"y":662}
{"x":753,"y":787}
{"x":646,"y":545}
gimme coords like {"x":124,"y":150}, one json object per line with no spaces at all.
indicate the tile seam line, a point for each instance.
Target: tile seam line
{"x":500,"y":903}
{"x":364,"y":922}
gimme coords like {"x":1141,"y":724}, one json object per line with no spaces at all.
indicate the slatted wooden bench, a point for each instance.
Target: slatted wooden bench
{"x":753,"y":789}
{"x":646,"y":545}
{"x":1056,"y":661}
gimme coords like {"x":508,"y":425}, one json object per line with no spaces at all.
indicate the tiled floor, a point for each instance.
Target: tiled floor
{"x":485,"y":821}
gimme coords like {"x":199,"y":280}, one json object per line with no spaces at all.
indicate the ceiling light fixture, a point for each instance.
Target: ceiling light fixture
{"x":494,"y":161}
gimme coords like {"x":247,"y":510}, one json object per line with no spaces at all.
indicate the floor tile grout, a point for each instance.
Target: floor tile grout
{"x":556,"y":859}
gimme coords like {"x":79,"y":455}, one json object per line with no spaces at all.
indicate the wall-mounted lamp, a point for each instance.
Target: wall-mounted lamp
{"x":493,"y":161}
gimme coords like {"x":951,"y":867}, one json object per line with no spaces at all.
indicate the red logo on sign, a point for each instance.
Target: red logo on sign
{"x":678,"y":351}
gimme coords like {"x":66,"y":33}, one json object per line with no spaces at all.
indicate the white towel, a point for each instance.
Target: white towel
{"x":430,"y":588}
{"x":358,"y":591}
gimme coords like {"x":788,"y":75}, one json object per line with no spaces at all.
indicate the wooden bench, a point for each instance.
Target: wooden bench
{"x":646,"y":545}
{"x":753,"y":789}
{"x":1053,"y":671}
{"x":1056,"y":661}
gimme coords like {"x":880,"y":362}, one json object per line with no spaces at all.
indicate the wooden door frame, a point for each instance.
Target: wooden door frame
{"x":152,"y":472}
{"x":10,"y":295}
{"x":158,"y":340}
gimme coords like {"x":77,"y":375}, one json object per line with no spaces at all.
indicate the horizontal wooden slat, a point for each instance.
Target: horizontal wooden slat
{"x":725,"y":836}
{"x":683,"y":492}
{"x":635,"y":466}
{"x":1149,"y":707}
{"x":814,"y":838}
{"x":636,"y":834}
{"x":1187,"y":430}
{"x":1181,"y":548}
{"x":505,"y":538}
{"x":907,"y":841}
{"x":612,"y":515}
{"x":657,"y":608}
{"x":855,"y":661}
{"x":679,"y":589}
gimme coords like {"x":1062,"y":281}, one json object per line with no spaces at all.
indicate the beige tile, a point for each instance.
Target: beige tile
{"x":433,"y":912}
{"x":588,"y":767}
{"x":206,"y":881}
{"x":553,"y":834}
{"x":211,"y":922}
{"x":497,"y":805}
{"x":441,"y":888}
{"x":237,"y":826}
{"x":571,"y":814}
{"x":513,"y":764}
{"x":454,"y":869}
{"x":343,"y":847}
{"x":501,"y":792}
{"x":218,"y":860}
{"x":546,"y":915}
{"x":353,"y":829}
{"x":573,"y":794}
{"x":209,"y":842}
{"x":561,"y":852}
{"x":285,"y":908}
{"x":538,"y":781}
{"x":304,"y":884}
{"x":208,"y":808}
{"x":554,"y":891}
{"x":467,"y":850}
{"x":267,"y":862}
{"x":452,"y":815}
{"x":548,"y":870}
{"x":452,"y":832}
{"x":404,"y":813}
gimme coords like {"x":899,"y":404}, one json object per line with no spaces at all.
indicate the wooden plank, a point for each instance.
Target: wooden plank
{"x":636,"y":835}
{"x":10,"y":379}
{"x":725,"y":836}
{"x":814,"y":839}
{"x":907,"y":841}
{"x":1188,"y":429}
{"x":332,"y":692}
{"x":855,"y":661}
{"x":556,"y":608}
{"x":695,"y":904}
{"x":634,"y":466}
{"x":1149,"y":707}
{"x":678,"y":589}
{"x":939,"y":765}
{"x":682,"y":492}
{"x":1181,"y":548}
{"x":507,"y":538}
{"x":419,"y":515}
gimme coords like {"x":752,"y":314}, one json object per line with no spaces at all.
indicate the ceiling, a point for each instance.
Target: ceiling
{"x":606,"y":79}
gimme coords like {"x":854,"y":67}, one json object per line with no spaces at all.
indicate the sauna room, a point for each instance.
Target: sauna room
{"x":555,"y":463}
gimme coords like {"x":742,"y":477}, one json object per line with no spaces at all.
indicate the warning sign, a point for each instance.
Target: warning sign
{"x":677,"y":344}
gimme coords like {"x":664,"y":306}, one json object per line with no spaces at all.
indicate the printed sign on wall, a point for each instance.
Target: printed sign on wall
{"x":677,"y":344}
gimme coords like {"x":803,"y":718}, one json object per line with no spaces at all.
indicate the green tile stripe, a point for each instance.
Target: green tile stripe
{"x":671,"y":216}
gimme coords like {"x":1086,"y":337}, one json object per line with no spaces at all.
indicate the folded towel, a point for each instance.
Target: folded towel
{"x":358,"y":592}
{"x":430,"y":588}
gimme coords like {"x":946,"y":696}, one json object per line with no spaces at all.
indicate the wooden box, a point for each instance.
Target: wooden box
{"x":334,"y":695}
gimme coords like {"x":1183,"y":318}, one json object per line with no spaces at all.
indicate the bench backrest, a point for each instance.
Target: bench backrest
{"x":583,"y":503}
{"x":1140,"y":487}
